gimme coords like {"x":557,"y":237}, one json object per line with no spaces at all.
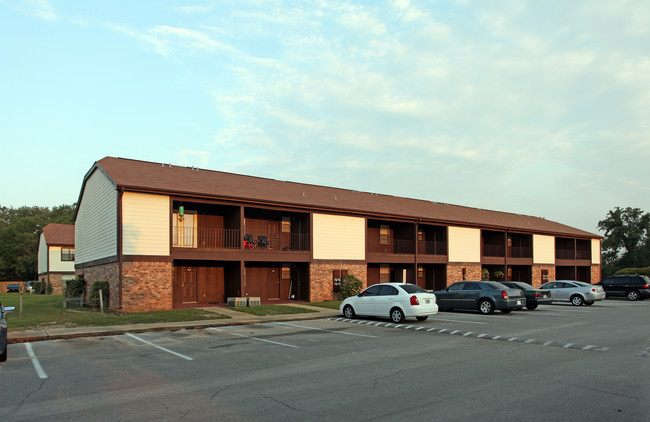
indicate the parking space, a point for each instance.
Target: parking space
{"x":324,"y":368}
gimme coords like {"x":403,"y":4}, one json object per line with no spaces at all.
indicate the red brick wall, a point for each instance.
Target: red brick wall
{"x":537,"y":274}
{"x":146,"y":286}
{"x":595,"y":274}
{"x":455,"y":271}
{"x":321,"y":278}
{"x":106,"y":272}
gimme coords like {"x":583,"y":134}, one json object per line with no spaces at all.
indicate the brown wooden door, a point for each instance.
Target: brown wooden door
{"x":186,"y":281}
{"x":273,"y":284}
{"x":210,"y":284}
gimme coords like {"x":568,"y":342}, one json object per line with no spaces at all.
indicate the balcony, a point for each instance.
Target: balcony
{"x":194,"y":237}
{"x":520,"y":252}
{"x":433,"y":247}
{"x":497,"y":251}
{"x":277,"y":241}
{"x":397,"y":246}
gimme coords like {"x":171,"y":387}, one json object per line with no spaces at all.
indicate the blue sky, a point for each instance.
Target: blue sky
{"x":537,"y":108}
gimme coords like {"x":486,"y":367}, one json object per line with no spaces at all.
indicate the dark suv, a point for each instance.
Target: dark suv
{"x":634,"y":287}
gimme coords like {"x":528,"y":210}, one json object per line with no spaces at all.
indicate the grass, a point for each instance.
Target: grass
{"x":270,"y":310}
{"x":329,"y":304}
{"x":46,"y":311}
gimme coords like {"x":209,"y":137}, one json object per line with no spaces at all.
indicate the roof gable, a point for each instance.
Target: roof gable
{"x":59,"y":234}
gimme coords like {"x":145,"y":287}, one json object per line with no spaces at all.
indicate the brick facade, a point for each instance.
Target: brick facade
{"x":595,"y":274}
{"x":455,"y":271}
{"x":106,"y":272}
{"x":537,"y":274}
{"x":146,"y":286}
{"x":322,"y":277}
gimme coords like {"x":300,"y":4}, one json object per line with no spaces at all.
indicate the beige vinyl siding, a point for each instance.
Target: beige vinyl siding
{"x":96,"y":223}
{"x":339,"y":237}
{"x":543,"y":249}
{"x":595,"y":251}
{"x":464,"y":244}
{"x":145,"y":222}
{"x":42,"y":255}
{"x":56,"y":265}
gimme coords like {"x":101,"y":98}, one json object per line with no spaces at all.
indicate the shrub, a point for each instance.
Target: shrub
{"x":49,"y":288}
{"x":641,"y":271}
{"x":350,"y":286}
{"x":75,"y":287}
{"x":94,"y":293}
{"x":39,"y":287}
{"x":485,"y":274}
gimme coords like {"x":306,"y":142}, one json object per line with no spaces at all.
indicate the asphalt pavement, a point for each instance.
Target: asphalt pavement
{"x":236,"y":318}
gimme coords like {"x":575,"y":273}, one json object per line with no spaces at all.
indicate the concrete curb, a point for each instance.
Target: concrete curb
{"x":236,"y":318}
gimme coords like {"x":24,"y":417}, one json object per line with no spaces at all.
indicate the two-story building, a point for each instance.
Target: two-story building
{"x":168,"y":236}
{"x":56,"y":255}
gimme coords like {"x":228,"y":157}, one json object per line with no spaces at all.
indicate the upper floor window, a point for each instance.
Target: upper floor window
{"x":384,"y":234}
{"x":286,"y":225}
{"x":67,"y":254}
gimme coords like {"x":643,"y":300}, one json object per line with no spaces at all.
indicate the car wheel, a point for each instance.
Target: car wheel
{"x":486,"y":307}
{"x":422,"y":318}
{"x":577,"y":300}
{"x":531,"y":307}
{"x":396,"y":315}
{"x":632,"y":295}
{"x":348,"y":312}
{"x":3,"y":355}
{"x":589,"y":302}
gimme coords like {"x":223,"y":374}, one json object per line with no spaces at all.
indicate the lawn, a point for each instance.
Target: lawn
{"x":270,"y":310}
{"x":46,"y":311}
{"x":329,"y":304}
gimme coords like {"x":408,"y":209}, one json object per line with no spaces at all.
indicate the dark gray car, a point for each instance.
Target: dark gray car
{"x":632,"y":286}
{"x":3,"y":331}
{"x":484,"y":296}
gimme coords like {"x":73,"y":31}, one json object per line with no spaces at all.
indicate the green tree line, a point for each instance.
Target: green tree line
{"x":626,"y":242}
{"x":20,"y":230}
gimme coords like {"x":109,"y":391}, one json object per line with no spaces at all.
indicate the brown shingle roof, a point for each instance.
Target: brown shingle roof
{"x":59,"y":234}
{"x":171,"y":179}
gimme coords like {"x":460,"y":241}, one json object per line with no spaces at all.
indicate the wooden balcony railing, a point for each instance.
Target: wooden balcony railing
{"x":397,"y":247}
{"x":194,"y":237}
{"x":434,"y":248}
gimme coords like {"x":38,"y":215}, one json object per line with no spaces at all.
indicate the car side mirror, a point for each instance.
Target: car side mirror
{"x":9,"y":309}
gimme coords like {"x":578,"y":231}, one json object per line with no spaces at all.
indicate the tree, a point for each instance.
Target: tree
{"x":627,"y":239}
{"x":20,"y":229}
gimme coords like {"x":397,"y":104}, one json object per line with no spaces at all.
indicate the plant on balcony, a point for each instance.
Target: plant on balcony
{"x":498,"y":275}
{"x":485,"y":274}
{"x":350,"y":286}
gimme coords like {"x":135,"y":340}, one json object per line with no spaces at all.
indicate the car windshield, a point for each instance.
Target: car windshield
{"x":412,"y":288}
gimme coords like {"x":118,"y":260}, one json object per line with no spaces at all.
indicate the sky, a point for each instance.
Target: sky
{"x":539,"y":108}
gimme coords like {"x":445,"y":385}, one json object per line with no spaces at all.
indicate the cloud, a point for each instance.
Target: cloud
{"x":41,"y":9}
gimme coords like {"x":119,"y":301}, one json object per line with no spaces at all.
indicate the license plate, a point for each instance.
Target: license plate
{"x":545,"y":296}
{"x":519,"y":302}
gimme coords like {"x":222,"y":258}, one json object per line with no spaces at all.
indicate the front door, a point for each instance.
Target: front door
{"x":186,"y":277}
{"x":273,"y":284}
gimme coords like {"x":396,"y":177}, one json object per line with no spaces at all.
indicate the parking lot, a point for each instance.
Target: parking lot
{"x":558,"y":362}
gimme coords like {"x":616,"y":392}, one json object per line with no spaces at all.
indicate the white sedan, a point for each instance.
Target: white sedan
{"x":397,"y":301}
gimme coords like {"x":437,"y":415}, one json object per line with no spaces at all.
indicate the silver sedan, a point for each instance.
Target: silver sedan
{"x":575,"y":292}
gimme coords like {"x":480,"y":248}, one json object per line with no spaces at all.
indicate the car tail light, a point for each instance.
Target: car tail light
{"x":593,"y":290}
{"x":504,"y":294}
{"x":645,"y":286}
{"x":537,"y":295}
{"x":414,"y":300}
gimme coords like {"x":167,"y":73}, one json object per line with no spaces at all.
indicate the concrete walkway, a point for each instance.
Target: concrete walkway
{"x":235,"y":318}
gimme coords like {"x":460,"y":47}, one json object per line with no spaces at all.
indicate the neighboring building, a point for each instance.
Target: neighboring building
{"x":56,"y":255}
{"x":167,"y":236}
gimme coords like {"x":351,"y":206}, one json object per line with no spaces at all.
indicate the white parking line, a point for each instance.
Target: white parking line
{"x":329,"y":331}
{"x":37,"y":365}
{"x":457,"y":320}
{"x":160,"y":347}
{"x":255,"y":338}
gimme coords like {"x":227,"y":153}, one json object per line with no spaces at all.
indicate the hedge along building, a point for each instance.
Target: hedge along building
{"x":166,"y":236}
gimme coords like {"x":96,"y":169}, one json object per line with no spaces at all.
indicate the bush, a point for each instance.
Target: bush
{"x":350,"y":286}
{"x":641,"y":271}
{"x":94,"y":293}
{"x":75,"y":287}
{"x":38,"y":287}
{"x":49,"y":288}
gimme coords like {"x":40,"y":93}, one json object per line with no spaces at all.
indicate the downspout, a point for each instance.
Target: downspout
{"x":506,"y":256}
{"x":119,"y":246}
